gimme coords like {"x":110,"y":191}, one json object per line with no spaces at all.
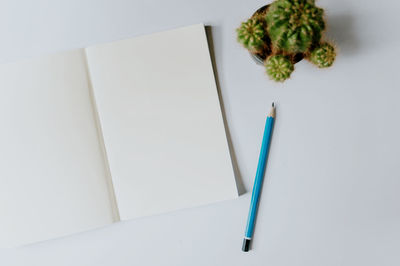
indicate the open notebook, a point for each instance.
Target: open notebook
{"x":109,"y":132}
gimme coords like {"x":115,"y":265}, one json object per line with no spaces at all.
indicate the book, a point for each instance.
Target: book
{"x":110,"y":132}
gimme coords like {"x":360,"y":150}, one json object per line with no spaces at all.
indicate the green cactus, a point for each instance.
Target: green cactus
{"x":279,"y":67}
{"x":283,"y":33}
{"x":251,"y":34}
{"x":323,"y":55}
{"x":294,"y":25}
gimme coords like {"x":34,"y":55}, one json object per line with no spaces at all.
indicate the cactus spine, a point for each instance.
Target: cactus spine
{"x":279,"y":67}
{"x":294,"y":25}
{"x":323,"y":55}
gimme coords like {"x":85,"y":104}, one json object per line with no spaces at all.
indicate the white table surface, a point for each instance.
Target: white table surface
{"x":331,"y":194}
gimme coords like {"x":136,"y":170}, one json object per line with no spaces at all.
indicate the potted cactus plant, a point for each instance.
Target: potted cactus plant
{"x":284,"y":32}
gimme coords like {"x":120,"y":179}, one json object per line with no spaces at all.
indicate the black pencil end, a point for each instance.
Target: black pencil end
{"x":246,"y":245}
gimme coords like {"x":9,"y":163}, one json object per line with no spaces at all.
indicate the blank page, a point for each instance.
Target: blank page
{"x":52,"y":173}
{"x":161,"y":121}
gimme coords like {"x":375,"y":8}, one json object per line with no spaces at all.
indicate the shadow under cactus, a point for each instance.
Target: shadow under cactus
{"x":341,"y":29}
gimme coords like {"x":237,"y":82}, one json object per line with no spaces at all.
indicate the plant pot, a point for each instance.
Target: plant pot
{"x":260,"y":57}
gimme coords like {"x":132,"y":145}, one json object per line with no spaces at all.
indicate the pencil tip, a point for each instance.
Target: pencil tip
{"x":272,"y":112}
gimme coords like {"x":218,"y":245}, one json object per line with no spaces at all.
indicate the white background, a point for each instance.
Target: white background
{"x":331,"y":194}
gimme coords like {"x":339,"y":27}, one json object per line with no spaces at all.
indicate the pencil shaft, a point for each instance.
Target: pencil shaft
{"x":262,"y":161}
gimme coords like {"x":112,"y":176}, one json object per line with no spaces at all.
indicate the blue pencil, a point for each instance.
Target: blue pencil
{"x":255,"y":196}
